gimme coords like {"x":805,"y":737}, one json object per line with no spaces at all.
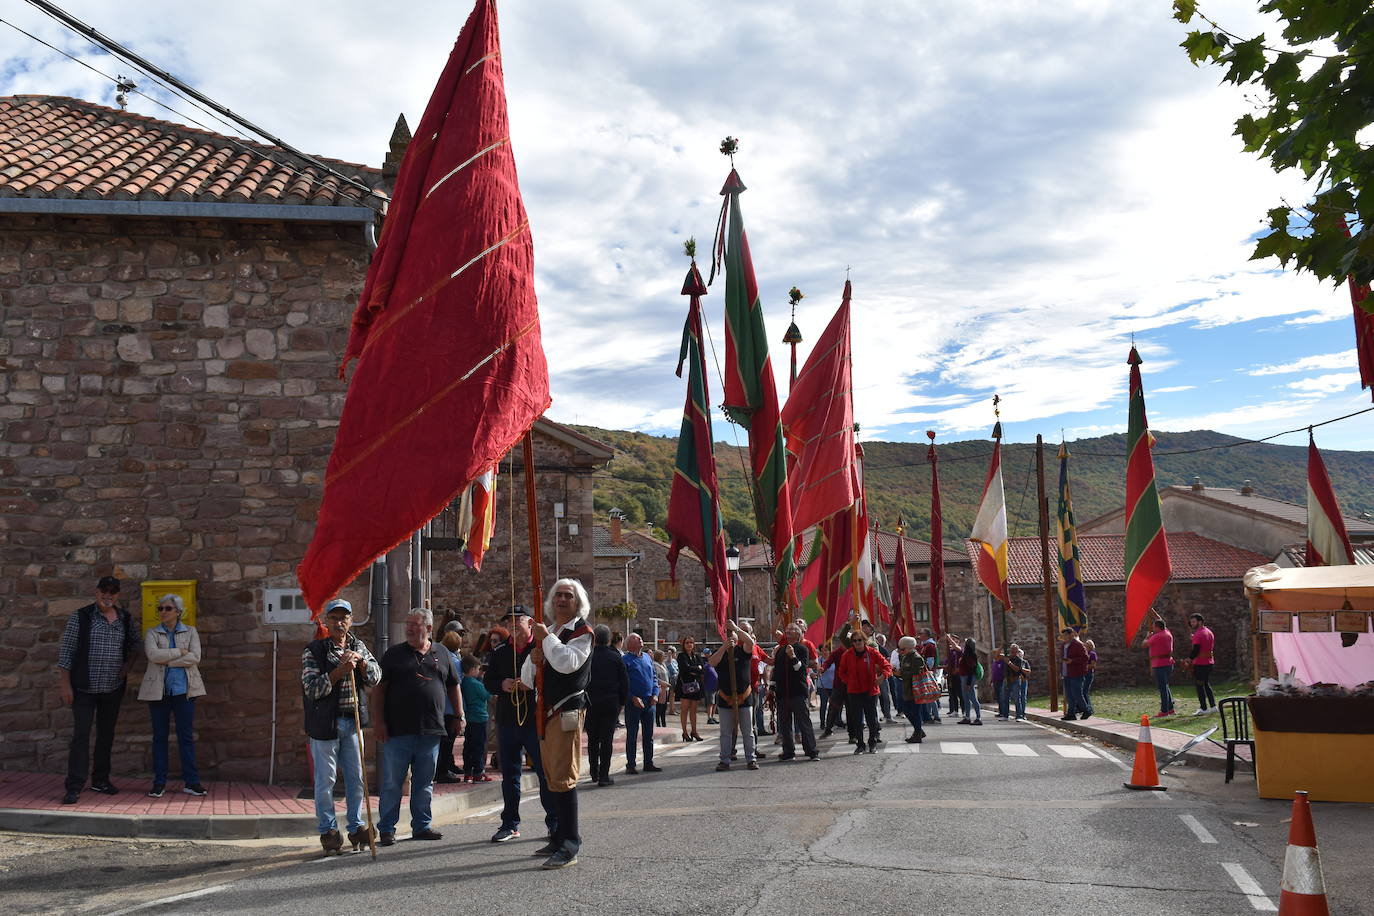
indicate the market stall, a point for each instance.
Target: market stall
{"x":1314,"y":728}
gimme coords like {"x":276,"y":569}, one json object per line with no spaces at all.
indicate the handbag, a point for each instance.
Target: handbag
{"x":689,"y":689}
{"x":925,"y":689}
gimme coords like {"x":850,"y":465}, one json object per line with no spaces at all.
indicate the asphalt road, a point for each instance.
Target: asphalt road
{"x":1010,"y":815}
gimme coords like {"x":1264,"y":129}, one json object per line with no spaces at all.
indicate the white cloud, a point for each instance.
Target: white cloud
{"x":1173,"y":388}
{"x":1344,"y":359}
{"x":1326,"y":384}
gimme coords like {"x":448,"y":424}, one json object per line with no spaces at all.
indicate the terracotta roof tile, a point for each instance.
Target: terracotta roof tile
{"x":1103,"y":555}
{"x":52,"y":146}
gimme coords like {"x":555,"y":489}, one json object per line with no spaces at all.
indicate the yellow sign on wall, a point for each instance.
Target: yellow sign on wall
{"x":153,"y":589}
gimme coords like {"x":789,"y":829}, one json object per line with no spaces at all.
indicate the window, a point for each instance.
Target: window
{"x":667,"y":590}
{"x":921,"y":612}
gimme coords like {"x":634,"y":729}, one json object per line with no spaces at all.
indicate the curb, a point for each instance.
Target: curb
{"x":218,"y":826}
{"x":1125,"y":742}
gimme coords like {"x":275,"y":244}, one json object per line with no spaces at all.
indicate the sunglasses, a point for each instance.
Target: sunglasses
{"x":166,"y":607}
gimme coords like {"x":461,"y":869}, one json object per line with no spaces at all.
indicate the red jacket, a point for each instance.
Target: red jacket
{"x":861,"y":672}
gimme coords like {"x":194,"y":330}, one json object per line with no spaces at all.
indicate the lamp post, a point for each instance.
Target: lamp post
{"x":732,"y":564}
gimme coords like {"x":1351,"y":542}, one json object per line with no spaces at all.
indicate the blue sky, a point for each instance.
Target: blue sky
{"x":1016,"y":187}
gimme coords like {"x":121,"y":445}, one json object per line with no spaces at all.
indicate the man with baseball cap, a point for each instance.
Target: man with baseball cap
{"x":99,"y":645}
{"x":329,"y":667}
{"x":516,"y":734}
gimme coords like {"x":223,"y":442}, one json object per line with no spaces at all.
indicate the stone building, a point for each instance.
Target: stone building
{"x":633,"y":565}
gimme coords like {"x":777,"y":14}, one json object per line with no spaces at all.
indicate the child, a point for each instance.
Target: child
{"x":1092,"y":672}
{"x":475,"y":697}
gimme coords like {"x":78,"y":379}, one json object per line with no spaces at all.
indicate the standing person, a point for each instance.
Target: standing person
{"x":839,"y":693}
{"x":691,"y":670}
{"x":1074,"y":661}
{"x":910,"y":667}
{"x":1160,"y":645}
{"x":330,"y":667}
{"x":790,"y":664}
{"x":661,"y":672}
{"x":1018,"y":676}
{"x":170,"y":686}
{"x":408,"y":707}
{"x":954,"y":682}
{"x":862,"y":669}
{"x":1204,"y":641}
{"x":970,"y":670}
{"x":447,"y":770}
{"x":734,"y":694}
{"x":1090,"y":676}
{"x":98,"y":648}
{"x":608,"y":691}
{"x":516,"y":736}
{"x":999,"y":683}
{"x":884,"y":687}
{"x":670,"y":694}
{"x":477,"y":708}
{"x":825,"y":686}
{"x":930,"y":653}
{"x":562,"y":660}
{"x":639,"y":711}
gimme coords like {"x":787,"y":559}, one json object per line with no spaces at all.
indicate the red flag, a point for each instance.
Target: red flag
{"x":1364,"y":327}
{"x":937,"y":539}
{"x":451,"y":371}
{"x":694,"y":505}
{"x":903,"y":615}
{"x":818,"y":421}
{"x":1328,"y":544}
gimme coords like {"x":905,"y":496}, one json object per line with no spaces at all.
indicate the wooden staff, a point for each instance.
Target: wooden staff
{"x":536,"y":574}
{"x":362,"y":759}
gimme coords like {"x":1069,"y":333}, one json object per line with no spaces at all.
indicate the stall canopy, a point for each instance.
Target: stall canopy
{"x":1345,"y":592}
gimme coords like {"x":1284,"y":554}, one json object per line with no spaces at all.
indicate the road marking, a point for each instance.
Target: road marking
{"x":1249,"y":887}
{"x":1071,"y":750}
{"x":701,"y":747}
{"x":1198,"y":830}
{"x":1018,"y":750}
{"x":901,"y":748}
{"x":175,"y":898}
{"x":957,"y":747}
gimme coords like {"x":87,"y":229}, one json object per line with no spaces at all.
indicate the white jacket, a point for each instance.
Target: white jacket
{"x":161,"y":655}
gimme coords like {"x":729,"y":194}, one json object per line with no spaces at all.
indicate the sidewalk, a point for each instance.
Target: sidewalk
{"x":31,"y":803}
{"x":1206,"y":756}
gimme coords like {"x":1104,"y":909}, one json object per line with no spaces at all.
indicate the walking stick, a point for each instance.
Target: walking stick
{"x":362,"y":761}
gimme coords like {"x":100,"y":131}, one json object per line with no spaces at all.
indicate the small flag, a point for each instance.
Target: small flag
{"x":477,"y":518}
{"x":1328,"y":544}
{"x":1146,"y":566}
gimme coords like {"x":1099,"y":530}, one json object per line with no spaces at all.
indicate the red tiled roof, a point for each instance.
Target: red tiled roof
{"x":1193,"y":557}
{"x":52,"y":146}
{"x":917,"y":552}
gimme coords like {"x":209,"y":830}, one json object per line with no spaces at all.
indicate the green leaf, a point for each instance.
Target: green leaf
{"x":1184,"y":10}
{"x":1201,"y":46}
{"x":1274,"y":245}
{"x":1246,"y":59}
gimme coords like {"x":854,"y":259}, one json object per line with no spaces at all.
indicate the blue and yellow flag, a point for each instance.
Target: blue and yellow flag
{"x":1073,"y":605}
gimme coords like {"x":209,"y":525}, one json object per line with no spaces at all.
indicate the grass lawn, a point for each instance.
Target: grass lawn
{"x":1127,"y":704}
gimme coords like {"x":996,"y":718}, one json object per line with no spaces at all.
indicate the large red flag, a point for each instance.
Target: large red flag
{"x":450,"y":368}
{"x":694,"y":505}
{"x":818,"y":422}
{"x":1146,"y":562}
{"x":1328,"y":544}
{"x":937,"y":539}
{"x":903,"y":614}
{"x":1364,"y":328}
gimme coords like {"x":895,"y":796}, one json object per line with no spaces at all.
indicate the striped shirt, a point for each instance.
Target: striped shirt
{"x":315,"y":680}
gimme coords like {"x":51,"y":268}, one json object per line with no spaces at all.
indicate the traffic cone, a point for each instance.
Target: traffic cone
{"x":1302,"y":892}
{"x":1145,"y":775}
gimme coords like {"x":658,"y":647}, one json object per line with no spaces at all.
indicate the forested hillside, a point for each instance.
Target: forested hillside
{"x":639,"y":478}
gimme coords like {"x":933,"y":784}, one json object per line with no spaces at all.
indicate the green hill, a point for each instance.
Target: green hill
{"x":639,"y":478}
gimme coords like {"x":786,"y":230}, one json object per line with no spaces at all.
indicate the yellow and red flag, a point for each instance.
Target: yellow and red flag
{"x":990,"y":527}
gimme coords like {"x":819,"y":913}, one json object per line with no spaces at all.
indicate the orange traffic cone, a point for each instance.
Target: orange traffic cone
{"x":1145,"y":775}
{"x":1302,"y":892}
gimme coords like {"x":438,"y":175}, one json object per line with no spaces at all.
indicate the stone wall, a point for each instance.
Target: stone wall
{"x":168,"y":402}
{"x":684,"y":609}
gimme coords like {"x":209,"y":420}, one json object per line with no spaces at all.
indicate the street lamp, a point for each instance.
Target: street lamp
{"x":732,"y":564}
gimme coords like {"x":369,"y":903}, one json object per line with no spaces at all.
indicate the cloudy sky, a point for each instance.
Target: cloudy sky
{"x":1016,"y":188}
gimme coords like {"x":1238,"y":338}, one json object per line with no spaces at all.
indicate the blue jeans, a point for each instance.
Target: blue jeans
{"x":513,"y":744}
{"x":1000,"y":688}
{"x":969,"y":697}
{"x":162,"y":711}
{"x":329,"y":757}
{"x":1017,"y":691}
{"x":1166,"y":698}
{"x":635,"y":720}
{"x":1088,"y":691}
{"x":912,"y":710}
{"x":419,"y":754}
{"x":1074,"y":704}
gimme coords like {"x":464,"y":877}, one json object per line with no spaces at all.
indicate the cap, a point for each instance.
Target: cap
{"x":517,"y":610}
{"x":454,"y":626}
{"x":338,"y":604}
{"x":108,"y":584}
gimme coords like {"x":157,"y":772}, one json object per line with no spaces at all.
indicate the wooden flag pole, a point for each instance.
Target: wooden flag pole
{"x":536,"y":572}
{"x":362,"y":761}
{"x":1052,"y":669}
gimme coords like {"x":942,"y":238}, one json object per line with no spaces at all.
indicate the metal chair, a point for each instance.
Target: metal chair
{"x":1235,"y":731}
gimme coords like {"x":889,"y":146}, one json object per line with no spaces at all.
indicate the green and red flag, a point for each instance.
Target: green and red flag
{"x":1364,"y":328}
{"x":1146,"y":565}
{"x":839,"y":580}
{"x":1072,"y":600}
{"x":694,"y":505}
{"x":1328,"y":544}
{"x":903,"y":614}
{"x":937,"y":539}
{"x":751,"y":397}
{"x":450,"y":370}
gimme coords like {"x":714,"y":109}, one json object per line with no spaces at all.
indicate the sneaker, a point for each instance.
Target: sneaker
{"x":1020,"y":718}
{"x":1086,"y":715}
{"x":814,"y":756}
{"x":104,"y":788}
{"x":481,"y":777}
{"x":977,"y":721}
{"x":71,"y":798}
{"x":504,"y":834}
{"x":760,"y":754}
{"x":785,"y":756}
{"x":157,"y":791}
{"x":710,"y":721}
{"x":547,"y":849}
{"x":560,"y":859}
{"x":722,"y":767}
{"x":965,"y":722}
{"x":1164,"y":715}
{"x":194,"y":788}
{"x":426,"y":834}
{"x":873,"y":748}
{"x":1201,"y":711}
{"x":752,"y":765}
{"x":858,"y":748}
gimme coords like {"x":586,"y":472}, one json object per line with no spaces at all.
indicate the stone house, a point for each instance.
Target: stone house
{"x":634,"y":565}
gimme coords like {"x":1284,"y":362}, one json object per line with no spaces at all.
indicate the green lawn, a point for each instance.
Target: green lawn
{"x":1127,"y":704}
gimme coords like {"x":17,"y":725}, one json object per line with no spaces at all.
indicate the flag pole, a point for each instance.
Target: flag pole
{"x":1051,"y":669}
{"x":536,"y":573}
{"x":362,"y":761}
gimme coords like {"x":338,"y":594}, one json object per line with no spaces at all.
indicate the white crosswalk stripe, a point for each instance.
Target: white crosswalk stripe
{"x":901,"y":749}
{"x":1072,"y":750}
{"x":957,"y":747}
{"x":1018,"y":750}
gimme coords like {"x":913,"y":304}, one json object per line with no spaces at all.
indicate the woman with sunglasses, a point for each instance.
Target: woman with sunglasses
{"x":170,"y":687}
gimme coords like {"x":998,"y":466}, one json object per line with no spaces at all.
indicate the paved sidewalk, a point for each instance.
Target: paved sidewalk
{"x":31,"y":803}
{"x":1205,"y":756}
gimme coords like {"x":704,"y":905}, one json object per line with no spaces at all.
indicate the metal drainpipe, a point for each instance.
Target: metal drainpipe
{"x":632,"y":561}
{"x":381,"y":603}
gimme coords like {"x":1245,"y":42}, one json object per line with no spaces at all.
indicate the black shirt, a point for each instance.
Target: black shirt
{"x":791,"y":681}
{"x":416,"y":686}
{"x":505,"y":663}
{"x":740,"y":659}
{"x":609,"y":683}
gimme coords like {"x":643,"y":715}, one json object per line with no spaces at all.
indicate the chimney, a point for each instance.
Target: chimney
{"x":616,"y":536}
{"x":1246,"y":489}
{"x":1197,"y":485}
